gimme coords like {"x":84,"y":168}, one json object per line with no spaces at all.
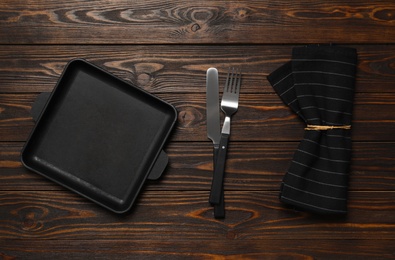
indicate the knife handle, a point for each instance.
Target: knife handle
{"x":219,"y":170}
{"x":219,"y":210}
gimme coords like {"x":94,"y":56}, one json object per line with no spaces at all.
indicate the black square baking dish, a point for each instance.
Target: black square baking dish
{"x":99,"y":136}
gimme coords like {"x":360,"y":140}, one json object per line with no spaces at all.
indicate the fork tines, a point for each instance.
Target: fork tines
{"x":233,"y":80}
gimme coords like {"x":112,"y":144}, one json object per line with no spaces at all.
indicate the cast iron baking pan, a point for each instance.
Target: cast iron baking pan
{"x":100,"y":136}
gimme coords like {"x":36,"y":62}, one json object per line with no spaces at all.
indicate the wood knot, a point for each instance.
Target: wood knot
{"x":145,"y":73}
{"x":195,"y":27}
{"x":189,"y":116}
{"x":241,"y":14}
{"x":29,"y":222}
{"x":30,"y":217}
{"x":231,"y":235}
{"x":384,"y":14}
{"x":143,"y":79}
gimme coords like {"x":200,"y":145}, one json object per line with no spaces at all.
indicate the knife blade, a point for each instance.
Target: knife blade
{"x":213,"y":125}
{"x":212,"y":106}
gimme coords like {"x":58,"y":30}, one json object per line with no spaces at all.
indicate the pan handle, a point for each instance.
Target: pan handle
{"x":159,"y":167}
{"x":160,"y":163}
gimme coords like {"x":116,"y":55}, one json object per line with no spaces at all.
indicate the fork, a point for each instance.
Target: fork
{"x":229,"y":105}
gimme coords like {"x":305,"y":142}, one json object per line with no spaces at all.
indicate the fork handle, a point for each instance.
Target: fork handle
{"x":219,"y":171}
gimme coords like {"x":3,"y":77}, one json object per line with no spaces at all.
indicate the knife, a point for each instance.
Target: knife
{"x":213,"y":125}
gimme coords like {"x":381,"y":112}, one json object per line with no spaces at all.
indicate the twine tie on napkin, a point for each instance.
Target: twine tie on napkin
{"x":318,"y":85}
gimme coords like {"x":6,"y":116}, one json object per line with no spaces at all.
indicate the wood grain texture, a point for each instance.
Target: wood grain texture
{"x":175,"y":68}
{"x":232,"y":249}
{"x":152,"y":22}
{"x":221,"y":249}
{"x":188,"y":216}
{"x":165,"y":47}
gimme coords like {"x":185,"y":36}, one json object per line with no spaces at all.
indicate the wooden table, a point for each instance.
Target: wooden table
{"x":165,"y":47}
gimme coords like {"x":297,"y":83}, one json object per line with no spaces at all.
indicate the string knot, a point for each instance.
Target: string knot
{"x":326,"y":127}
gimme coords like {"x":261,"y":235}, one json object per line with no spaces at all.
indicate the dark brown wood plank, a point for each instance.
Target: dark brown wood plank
{"x":188,"y":216}
{"x":257,"y":116}
{"x":227,"y":247}
{"x":175,"y":68}
{"x":80,"y":22}
{"x":165,"y":47}
{"x":250,"y":167}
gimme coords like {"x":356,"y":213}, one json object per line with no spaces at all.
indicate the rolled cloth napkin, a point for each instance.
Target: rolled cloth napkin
{"x":318,"y":85}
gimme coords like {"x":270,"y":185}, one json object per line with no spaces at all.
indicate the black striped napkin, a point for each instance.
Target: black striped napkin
{"x":318,"y":85}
